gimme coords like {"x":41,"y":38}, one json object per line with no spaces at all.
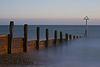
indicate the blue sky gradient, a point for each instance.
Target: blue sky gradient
{"x":51,"y":10}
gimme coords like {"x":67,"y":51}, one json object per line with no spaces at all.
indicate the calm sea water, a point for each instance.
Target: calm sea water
{"x":93,"y":31}
{"x":82,"y":52}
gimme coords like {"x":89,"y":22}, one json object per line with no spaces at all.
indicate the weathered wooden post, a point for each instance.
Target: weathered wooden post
{"x":38,"y":38}
{"x":77,"y":37}
{"x":55,"y":37}
{"x":61,"y":37}
{"x":66,"y":36}
{"x":74,"y":37}
{"x":47,"y":38}
{"x":25,"y":38}
{"x":70,"y":37}
{"x":10,"y":37}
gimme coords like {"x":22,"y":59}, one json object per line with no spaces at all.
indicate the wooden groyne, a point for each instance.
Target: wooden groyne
{"x":9,"y":45}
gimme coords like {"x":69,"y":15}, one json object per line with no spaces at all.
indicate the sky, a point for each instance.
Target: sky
{"x":49,"y":12}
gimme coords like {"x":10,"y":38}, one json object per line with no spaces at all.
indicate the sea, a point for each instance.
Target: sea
{"x":83,"y":52}
{"x":92,"y":30}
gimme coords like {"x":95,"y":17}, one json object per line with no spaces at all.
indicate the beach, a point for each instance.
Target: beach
{"x":49,"y":33}
{"x":76,"y":53}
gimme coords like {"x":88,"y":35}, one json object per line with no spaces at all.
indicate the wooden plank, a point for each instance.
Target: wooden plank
{"x":17,"y":50}
{"x":3,"y":39}
{"x":58,"y":41}
{"x":4,"y":35}
{"x":42,"y":44}
{"x":17,"y":45}
{"x":51,"y":43}
{"x":4,"y":44}
{"x":3,"y":51}
{"x":31,"y":45}
{"x":17,"y":42}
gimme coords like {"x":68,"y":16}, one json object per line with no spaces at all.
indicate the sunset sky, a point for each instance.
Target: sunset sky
{"x":50,"y":12}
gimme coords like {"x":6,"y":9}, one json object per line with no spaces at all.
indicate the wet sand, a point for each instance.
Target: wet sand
{"x":77,"y":53}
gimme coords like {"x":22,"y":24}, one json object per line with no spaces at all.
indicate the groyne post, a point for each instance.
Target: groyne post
{"x":77,"y":37}
{"x":25,"y":38}
{"x":60,"y":37}
{"x":47,"y":38}
{"x":55,"y":37}
{"x":70,"y":37}
{"x":38,"y":38}
{"x":66,"y":36}
{"x":10,"y":36}
{"x":74,"y":37}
